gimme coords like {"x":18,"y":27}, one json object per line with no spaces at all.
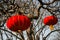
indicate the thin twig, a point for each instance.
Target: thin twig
{"x":10,"y":33}
{"x":51,"y":32}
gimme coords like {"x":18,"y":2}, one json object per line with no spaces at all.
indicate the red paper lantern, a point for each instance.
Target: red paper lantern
{"x":18,"y":22}
{"x":50,"y":20}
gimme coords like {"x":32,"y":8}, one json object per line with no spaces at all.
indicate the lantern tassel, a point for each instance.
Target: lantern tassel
{"x":51,"y":27}
{"x":18,"y":31}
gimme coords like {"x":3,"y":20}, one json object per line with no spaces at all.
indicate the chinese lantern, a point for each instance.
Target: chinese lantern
{"x":50,"y":20}
{"x":18,"y":22}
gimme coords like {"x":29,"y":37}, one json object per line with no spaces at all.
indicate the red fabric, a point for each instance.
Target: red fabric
{"x":50,"y":20}
{"x":18,"y":22}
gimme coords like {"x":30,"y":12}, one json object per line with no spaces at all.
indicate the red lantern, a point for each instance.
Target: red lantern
{"x":18,"y":22}
{"x":50,"y":20}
